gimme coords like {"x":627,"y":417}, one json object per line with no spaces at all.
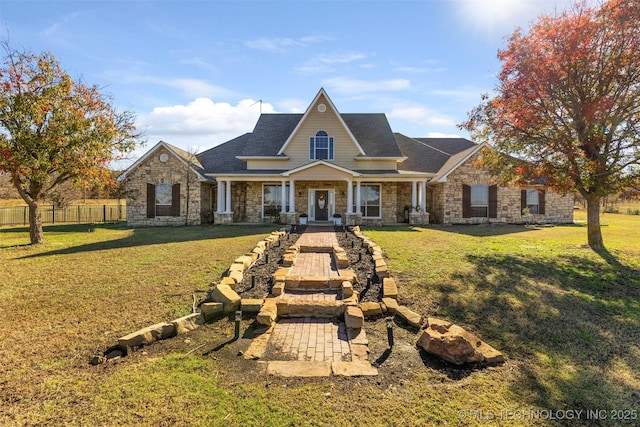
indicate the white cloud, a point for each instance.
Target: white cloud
{"x":494,"y":17}
{"x":356,"y":87}
{"x":201,"y":122}
{"x":422,"y":116}
{"x":282,"y":44}
{"x":443,"y":135}
{"x":323,"y":63}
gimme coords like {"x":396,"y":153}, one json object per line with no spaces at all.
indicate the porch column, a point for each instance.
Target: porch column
{"x":228,"y":197}
{"x":220,"y":198}
{"x":283,"y":197}
{"x":292,"y":196}
{"x":414,"y":195}
{"x":423,"y":196}
{"x":349,"y":197}
{"x":358,"y":198}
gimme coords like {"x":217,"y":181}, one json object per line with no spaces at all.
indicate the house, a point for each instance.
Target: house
{"x":325,"y":165}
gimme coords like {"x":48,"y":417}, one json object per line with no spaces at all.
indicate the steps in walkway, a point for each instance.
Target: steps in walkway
{"x":313,"y":316}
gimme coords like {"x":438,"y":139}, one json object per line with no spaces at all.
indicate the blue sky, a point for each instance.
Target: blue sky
{"x":193,"y":71}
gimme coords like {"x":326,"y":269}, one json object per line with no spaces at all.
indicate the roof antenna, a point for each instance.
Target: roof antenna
{"x":260,"y":101}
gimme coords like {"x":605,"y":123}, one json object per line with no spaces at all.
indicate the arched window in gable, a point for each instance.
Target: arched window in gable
{"x":321,"y":146}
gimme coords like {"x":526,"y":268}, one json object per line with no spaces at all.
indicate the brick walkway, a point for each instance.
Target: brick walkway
{"x":314,"y":264}
{"x":314,"y":346}
{"x":310,"y":339}
{"x":318,"y":236}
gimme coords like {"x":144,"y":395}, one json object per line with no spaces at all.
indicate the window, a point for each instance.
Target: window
{"x":533,"y":199}
{"x":370,"y":201}
{"x":163,"y":200}
{"x":272,"y":199}
{"x":479,"y":201}
{"x":321,"y":146}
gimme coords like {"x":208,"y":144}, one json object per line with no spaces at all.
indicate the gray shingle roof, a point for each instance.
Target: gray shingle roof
{"x":448,"y":145}
{"x":269,"y":134}
{"x":431,"y":155}
{"x":373,"y":133}
{"x":222,"y":158}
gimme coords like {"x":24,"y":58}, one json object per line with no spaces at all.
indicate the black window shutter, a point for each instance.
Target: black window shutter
{"x":175,"y":200}
{"x":541,"y":202}
{"x":151,"y":201}
{"x":466,"y":201}
{"x":493,"y":201}
{"x":523,"y":199}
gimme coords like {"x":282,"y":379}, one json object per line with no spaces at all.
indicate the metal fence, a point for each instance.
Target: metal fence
{"x":80,"y":214}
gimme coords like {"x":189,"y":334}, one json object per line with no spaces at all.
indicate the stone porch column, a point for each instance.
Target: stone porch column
{"x":292,"y":196}
{"x":283,"y":197}
{"x":349,"y":197}
{"x":423,"y":196}
{"x":228,"y":198}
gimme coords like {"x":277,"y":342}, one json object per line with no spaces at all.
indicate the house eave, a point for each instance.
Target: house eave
{"x":262,"y":157}
{"x":393,"y":158}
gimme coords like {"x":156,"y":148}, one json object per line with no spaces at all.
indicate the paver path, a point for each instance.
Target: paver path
{"x":323,"y":341}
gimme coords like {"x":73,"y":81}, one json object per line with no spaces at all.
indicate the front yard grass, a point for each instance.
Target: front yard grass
{"x":567,"y":319}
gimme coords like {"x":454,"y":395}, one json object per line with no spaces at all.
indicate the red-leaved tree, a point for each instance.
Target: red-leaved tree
{"x":567,"y":106}
{"x":55,"y":130}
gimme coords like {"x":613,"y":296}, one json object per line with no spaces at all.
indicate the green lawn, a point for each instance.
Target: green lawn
{"x":567,"y":319}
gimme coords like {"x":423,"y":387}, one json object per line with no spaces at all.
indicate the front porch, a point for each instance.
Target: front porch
{"x":339,"y":202}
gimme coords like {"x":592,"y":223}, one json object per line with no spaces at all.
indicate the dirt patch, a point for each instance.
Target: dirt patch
{"x":257,"y":281}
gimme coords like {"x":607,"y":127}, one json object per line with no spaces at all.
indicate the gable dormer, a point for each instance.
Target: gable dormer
{"x":320,"y":129}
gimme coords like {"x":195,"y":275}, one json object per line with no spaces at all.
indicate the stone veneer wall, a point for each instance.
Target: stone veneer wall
{"x":404,"y":190}
{"x":448,"y":196}
{"x":153,"y":171}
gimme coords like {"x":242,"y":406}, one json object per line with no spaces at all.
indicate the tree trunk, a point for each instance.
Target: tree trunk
{"x":594,"y":232}
{"x":35,"y":224}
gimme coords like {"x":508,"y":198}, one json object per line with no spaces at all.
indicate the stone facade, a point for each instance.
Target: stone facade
{"x":445,"y":201}
{"x":193,"y":193}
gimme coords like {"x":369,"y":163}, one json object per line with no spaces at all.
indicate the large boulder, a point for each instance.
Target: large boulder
{"x":454,"y":344}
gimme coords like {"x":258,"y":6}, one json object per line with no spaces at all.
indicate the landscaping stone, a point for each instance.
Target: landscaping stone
{"x":353,"y":369}
{"x":353,"y":317}
{"x":347,"y":289}
{"x":412,"y":318}
{"x":301,"y":308}
{"x":456,"y":345}
{"x":162,"y":330}
{"x":389,"y":288}
{"x":228,"y":281}
{"x":188,"y":323}
{"x":243,"y":260}
{"x":299,"y":369}
{"x":278,"y":289}
{"x":267,"y":314}
{"x":236,"y":275}
{"x":391,"y":304}
{"x":136,"y":339}
{"x":211,"y":310}
{"x":370,"y":309}
{"x":251,"y":305}
{"x":227,"y":296}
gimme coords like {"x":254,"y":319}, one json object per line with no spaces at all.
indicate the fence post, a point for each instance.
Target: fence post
{"x":24,"y":215}
{"x":104,"y":213}
{"x":78,"y":214}
{"x":53,"y":214}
